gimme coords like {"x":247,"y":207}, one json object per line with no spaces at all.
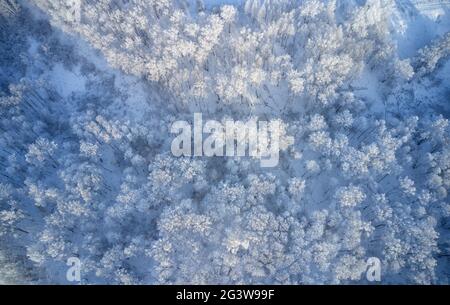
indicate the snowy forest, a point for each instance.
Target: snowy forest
{"x":90,"y":88}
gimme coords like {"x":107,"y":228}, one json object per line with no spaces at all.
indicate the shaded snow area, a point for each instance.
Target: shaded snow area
{"x":90,"y":191}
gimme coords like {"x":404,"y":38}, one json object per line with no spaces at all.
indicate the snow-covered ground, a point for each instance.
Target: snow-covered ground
{"x":86,"y":168}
